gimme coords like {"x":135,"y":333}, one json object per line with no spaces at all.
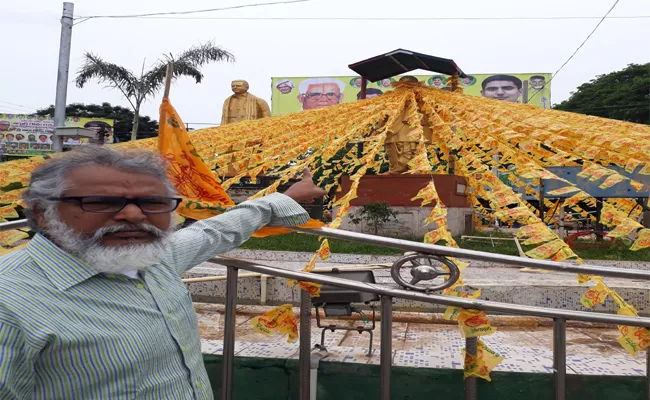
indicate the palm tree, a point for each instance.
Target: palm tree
{"x":138,"y":89}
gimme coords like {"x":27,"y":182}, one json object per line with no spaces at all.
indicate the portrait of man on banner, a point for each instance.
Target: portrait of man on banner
{"x":502,"y":87}
{"x":320,"y":92}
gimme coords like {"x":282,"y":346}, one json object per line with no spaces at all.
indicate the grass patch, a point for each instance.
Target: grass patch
{"x":309,"y":243}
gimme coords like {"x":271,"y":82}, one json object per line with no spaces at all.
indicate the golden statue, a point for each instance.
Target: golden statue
{"x":243,"y":106}
{"x":401,"y":148}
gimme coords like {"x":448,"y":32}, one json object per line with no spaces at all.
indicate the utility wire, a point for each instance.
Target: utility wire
{"x":85,"y":18}
{"x":396,"y":18}
{"x":578,"y":49}
{"x":18,"y":105}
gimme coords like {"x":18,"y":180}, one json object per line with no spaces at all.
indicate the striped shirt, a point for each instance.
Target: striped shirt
{"x":68,"y":332}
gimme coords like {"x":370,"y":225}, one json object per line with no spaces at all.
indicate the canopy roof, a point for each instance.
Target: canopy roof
{"x":401,"y":61}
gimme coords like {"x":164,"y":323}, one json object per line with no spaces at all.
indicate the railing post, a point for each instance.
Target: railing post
{"x":305,"y":345}
{"x":471,"y":348}
{"x":386,"y":347}
{"x":647,"y":372}
{"x":559,"y":358}
{"x":229,"y":334}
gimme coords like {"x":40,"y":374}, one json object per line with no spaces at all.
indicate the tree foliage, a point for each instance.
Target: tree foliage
{"x":123,"y":118}
{"x":136,"y":89}
{"x":622,"y":95}
{"x":376,"y":214}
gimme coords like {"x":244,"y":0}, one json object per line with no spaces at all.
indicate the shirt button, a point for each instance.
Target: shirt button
{"x":139,"y":286}
{"x":184,"y":348}
{"x":170,"y":316}
{"x":198,"y":384}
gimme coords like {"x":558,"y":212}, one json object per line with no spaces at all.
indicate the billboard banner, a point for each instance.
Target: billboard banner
{"x":31,"y":135}
{"x":294,"y":94}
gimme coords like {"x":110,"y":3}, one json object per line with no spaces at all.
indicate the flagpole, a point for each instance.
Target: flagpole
{"x":168,"y":79}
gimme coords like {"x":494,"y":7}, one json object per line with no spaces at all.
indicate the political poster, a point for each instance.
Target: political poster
{"x":31,"y":135}
{"x":292,"y":94}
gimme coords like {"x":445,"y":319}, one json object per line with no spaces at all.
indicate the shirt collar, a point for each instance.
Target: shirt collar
{"x":62,"y":268}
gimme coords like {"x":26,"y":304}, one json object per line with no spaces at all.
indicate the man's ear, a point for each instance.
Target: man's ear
{"x":38,"y":215}
{"x":301,"y":98}
{"x":341,"y":98}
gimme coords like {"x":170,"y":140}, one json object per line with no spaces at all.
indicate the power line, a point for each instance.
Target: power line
{"x":86,"y":18}
{"x":18,"y":105}
{"x":578,"y":49}
{"x":397,"y":18}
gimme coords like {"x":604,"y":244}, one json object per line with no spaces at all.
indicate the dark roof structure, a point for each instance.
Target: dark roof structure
{"x":401,"y":61}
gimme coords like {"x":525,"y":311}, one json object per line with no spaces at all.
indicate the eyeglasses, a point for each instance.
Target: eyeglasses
{"x":317,"y":95}
{"x":114,"y":204}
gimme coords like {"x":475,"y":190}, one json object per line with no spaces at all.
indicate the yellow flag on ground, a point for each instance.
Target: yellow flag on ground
{"x":280,"y":319}
{"x":203,"y":196}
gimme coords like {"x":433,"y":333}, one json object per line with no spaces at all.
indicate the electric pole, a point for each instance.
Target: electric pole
{"x":62,"y":76}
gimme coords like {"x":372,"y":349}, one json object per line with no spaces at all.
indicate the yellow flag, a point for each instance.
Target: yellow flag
{"x":596,"y":295}
{"x":473,"y":323}
{"x":280,"y":319}
{"x":483,"y":363}
{"x":642,"y":241}
{"x":203,"y":196}
{"x":8,"y":238}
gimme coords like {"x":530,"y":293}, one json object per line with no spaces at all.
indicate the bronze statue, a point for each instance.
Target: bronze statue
{"x":243,"y":106}
{"x":400,"y":147}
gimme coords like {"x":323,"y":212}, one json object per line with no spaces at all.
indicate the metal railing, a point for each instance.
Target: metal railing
{"x":560,"y":317}
{"x":6,"y":226}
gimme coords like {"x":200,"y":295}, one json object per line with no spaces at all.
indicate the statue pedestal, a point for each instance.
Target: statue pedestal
{"x":398,"y":190}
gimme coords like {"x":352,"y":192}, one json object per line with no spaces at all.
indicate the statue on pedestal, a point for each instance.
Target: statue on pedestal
{"x":243,"y":106}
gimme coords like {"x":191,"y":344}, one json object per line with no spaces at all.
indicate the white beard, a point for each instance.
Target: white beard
{"x":110,"y":259}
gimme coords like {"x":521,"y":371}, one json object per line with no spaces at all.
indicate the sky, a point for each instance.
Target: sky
{"x":310,"y":38}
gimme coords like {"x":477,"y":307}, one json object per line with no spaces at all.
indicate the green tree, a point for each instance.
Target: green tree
{"x":122,"y":116}
{"x":376,"y":214}
{"x":622,"y":95}
{"x":136,"y":89}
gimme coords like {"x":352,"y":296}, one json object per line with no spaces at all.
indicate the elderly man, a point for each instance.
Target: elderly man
{"x":94,"y":306}
{"x":320,"y":92}
{"x":285,"y":86}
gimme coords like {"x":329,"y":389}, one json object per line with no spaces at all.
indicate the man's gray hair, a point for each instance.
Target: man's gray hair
{"x":49,"y":179}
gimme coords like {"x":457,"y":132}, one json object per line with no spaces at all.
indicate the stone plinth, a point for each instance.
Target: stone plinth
{"x":398,"y":190}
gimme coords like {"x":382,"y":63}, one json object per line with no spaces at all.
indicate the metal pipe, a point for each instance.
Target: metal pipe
{"x":6,"y":226}
{"x":386,"y":347}
{"x":484,"y":305}
{"x":559,"y":358}
{"x":447,"y":251}
{"x":471,"y":348}
{"x":647,"y":372}
{"x":305,"y":346}
{"x":229,"y":334}
{"x":475,"y":255}
{"x":65,"y":45}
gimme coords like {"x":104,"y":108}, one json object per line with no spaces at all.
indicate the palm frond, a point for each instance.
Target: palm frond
{"x":203,"y":54}
{"x":116,"y":76}
{"x":187,"y":63}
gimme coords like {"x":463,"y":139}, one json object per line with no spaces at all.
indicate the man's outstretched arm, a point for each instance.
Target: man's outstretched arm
{"x":207,"y":238}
